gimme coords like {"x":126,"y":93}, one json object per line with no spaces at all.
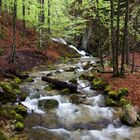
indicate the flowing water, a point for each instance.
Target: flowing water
{"x":90,"y":120}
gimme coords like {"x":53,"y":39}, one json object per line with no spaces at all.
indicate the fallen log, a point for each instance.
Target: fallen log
{"x":60,"y":84}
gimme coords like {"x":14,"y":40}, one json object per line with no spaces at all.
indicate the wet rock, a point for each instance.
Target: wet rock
{"x":129,"y":115}
{"x":41,"y":133}
{"x":65,"y":91}
{"x":29,"y":80}
{"x":48,"y":103}
{"x":75,"y":99}
{"x":73,"y":81}
{"x":21,"y":110}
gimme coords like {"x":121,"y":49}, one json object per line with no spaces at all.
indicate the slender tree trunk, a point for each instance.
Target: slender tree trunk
{"x":125,"y":39}
{"x":118,"y":36}
{"x":133,"y":63}
{"x":49,"y":15}
{"x":112,"y":37}
{"x":13,"y":53}
{"x":23,"y":18}
{"x":0,"y":7}
{"x":41,"y":22}
{"x":99,"y":36}
{"x":126,"y":24}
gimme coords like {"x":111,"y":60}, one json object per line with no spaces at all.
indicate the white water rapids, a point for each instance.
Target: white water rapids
{"x":76,"y":122}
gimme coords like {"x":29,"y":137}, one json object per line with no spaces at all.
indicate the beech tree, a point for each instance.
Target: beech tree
{"x":13,"y":53}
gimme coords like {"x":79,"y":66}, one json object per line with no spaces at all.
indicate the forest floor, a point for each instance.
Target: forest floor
{"x":29,"y":55}
{"x":130,"y":80}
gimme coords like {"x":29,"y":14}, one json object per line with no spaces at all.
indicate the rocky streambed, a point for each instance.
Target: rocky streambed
{"x":61,"y":114}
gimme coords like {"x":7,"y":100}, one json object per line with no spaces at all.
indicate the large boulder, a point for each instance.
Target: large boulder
{"x":98,"y":84}
{"x":129,"y":115}
{"x":75,"y":99}
{"x":48,"y":103}
{"x":65,"y":91}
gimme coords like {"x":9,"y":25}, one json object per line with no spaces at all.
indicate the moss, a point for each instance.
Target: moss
{"x":107,"y":89}
{"x":91,"y":77}
{"x":83,"y":76}
{"x":21,"y":110}
{"x":73,"y":80}
{"x":18,"y":117}
{"x":6,"y":87}
{"x":1,"y":51}
{"x":113,"y":95}
{"x":98,"y":84}
{"x":7,"y":112}
{"x":48,"y":88}
{"x":14,"y":85}
{"x":124,"y":101}
{"x":50,"y":104}
{"x":111,"y":102}
{"x":122,"y":92}
{"x":19,"y":126}
{"x":29,"y":80}
{"x":17,"y":80}
{"x":3,"y":136}
{"x":2,"y":34}
{"x":65,"y":91}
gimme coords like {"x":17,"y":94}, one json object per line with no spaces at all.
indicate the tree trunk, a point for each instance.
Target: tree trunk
{"x":49,"y":20}
{"x":118,"y":36}
{"x":13,"y":53}
{"x":23,"y":18}
{"x":126,"y":24}
{"x":125,"y":40}
{"x":112,"y":37}
{"x":99,"y":36}
{"x":60,"y":84}
{"x":0,"y":7}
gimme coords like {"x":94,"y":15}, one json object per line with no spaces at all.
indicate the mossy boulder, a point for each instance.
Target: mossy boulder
{"x":123,"y":102}
{"x":65,"y":91}
{"x":122,"y":92}
{"x":17,"y":80}
{"x":29,"y":80}
{"x":129,"y":115}
{"x":18,"y":117}
{"x":7,"y":112}
{"x":48,"y":103}
{"x":107,"y":89}
{"x":113,"y":95}
{"x":91,"y":77}
{"x":3,"y":136}
{"x":111,"y":102}
{"x":21,"y":110}
{"x":19,"y":126}
{"x":98,"y":84}
{"x":73,"y":81}
{"x":48,"y":88}
{"x":75,"y":99}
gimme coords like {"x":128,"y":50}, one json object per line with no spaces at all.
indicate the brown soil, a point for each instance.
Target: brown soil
{"x":131,"y":81}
